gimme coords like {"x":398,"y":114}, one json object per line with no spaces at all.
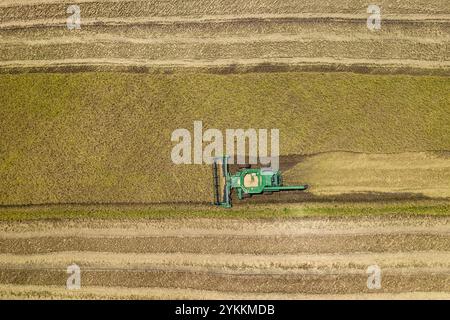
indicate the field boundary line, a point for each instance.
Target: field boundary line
{"x":228,"y":62}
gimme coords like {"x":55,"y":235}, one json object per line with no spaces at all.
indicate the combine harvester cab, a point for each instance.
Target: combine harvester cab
{"x":246,"y":181}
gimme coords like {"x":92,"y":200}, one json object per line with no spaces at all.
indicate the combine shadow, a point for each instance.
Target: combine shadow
{"x":301,"y":196}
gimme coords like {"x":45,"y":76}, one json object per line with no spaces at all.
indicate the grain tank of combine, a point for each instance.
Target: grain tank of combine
{"x":246,"y":182}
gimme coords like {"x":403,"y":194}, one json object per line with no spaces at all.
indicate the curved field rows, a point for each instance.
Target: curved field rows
{"x":213,"y":258}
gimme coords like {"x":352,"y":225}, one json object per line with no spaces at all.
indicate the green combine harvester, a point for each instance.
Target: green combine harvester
{"x":246,"y":182}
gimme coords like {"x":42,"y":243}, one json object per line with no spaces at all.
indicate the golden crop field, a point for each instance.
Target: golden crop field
{"x":86,"y":175}
{"x":106,"y":137}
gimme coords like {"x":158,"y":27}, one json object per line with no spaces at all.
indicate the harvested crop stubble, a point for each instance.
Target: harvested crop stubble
{"x":57,"y":292}
{"x":160,"y":8}
{"x":340,"y":172}
{"x":306,"y":35}
{"x":362,"y":49}
{"x":244,"y":30}
{"x":187,"y":257}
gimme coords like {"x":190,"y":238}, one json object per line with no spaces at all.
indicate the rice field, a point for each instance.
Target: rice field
{"x":106,"y":137}
{"x":86,"y":174}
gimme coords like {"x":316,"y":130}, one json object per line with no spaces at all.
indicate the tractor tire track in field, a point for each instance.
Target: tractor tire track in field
{"x":301,"y":257}
{"x":310,"y":284}
{"x":226,"y":244}
{"x":229,"y":263}
{"x":260,"y":35}
{"x":228,"y":227}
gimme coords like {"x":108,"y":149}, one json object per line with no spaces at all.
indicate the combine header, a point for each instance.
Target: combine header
{"x":246,"y":182}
